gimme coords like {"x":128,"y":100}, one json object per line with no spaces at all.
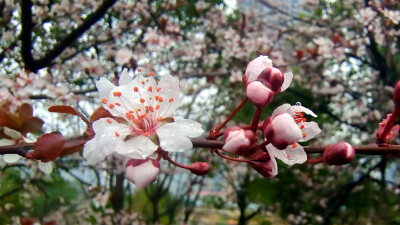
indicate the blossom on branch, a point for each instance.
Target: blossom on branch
{"x":263,"y":81}
{"x":142,"y":172}
{"x":142,"y":110}
{"x":284,"y":129}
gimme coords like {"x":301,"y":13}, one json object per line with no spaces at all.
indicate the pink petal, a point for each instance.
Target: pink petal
{"x":143,"y":174}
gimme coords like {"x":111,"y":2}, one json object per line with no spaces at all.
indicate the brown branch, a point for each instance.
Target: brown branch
{"x":26,"y":35}
{"x":21,"y":149}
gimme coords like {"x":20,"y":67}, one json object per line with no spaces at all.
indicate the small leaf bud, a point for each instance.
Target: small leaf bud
{"x":199,"y":168}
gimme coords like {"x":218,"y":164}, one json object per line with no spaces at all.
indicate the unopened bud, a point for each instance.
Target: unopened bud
{"x":142,"y":172}
{"x":264,"y":168}
{"x":255,"y":67}
{"x":396,"y":93}
{"x":259,"y":94}
{"x":272,"y":77}
{"x":237,"y":139}
{"x":199,"y":168}
{"x":339,"y":153}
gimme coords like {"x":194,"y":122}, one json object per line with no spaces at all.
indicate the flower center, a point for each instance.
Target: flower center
{"x":145,"y":118}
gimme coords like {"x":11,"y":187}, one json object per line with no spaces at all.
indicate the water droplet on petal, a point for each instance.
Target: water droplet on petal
{"x":173,"y":134}
{"x":194,"y":129}
{"x":181,"y":149}
{"x":191,"y":125}
{"x":298,"y":104}
{"x":103,"y":135}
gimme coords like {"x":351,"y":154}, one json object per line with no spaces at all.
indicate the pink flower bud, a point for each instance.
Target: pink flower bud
{"x":259,"y":94}
{"x":282,"y":131}
{"x":272,"y":78}
{"x":339,"y":153}
{"x":199,"y":168}
{"x":142,"y":172}
{"x":396,"y":93}
{"x":264,"y":168}
{"x":237,"y":139}
{"x":255,"y":67}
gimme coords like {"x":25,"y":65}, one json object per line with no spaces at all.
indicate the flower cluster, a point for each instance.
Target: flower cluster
{"x":282,"y":130}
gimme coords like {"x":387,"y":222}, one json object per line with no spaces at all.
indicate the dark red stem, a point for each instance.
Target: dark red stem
{"x":256,"y":119}
{"x":389,"y":124}
{"x":166,"y":157}
{"x":315,"y":161}
{"x":221,"y":125}
{"x":231,"y":158}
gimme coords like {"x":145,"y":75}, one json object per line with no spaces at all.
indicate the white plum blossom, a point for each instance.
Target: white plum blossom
{"x":284,"y":129}
{"x":144,"y":108}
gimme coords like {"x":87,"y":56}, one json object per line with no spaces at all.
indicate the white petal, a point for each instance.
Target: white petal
{"x":298,"y":108}
{"x":169,"y":91}
{"x":12,"y":133}
{"x":139,"y":147}
{"x":274,"y":164}
{"x":11,"y":158}
{"x":92,"y":153}
{"x":286,"y":82}
{"x":4,"y":142}
{"x":45,"y":167}
{"x":105,"y":139}
{"x":311,"y":129}
{"x":186,"y":126}
{"x":174,"y":137}
{"x":124,"y":78}
{"x":109,"y":126}
{"x":104,"y":87}
{"x":290,"y":155}
{"x":281,"y":109}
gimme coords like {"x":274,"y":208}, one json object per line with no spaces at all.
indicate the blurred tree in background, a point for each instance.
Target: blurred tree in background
{"x":345,"y":57}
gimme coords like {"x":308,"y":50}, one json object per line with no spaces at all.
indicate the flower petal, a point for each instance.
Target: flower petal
{"x":45,"y":167}
{"x":290,"y":155}
{"x":104,"y":87}
{"x":274,"y":164}
{"x":285,"y":129}
{"x":11,"y":158}
{"x":12,"y":133}
{"x":281,"y":109}
{"x":255,"y":67}
{"x":298,"y":108}
{"x":311,"y":129}
{"x":170,"y":92}
{"x":286,"y":82}
{"x":143,"y":174}
{"x":174,"y":137}
{"x":108,"y":134}
{"x":124,"y":78}
{"x":139,"y":147}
